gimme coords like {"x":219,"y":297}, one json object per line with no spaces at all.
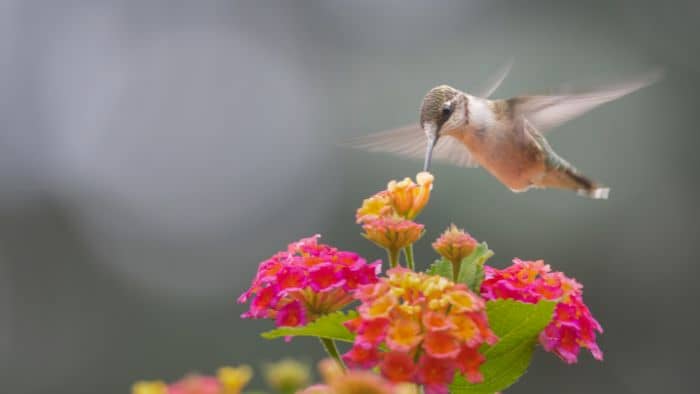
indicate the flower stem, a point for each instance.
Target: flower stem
{"x":456,"y":267}
{"x":410,"y":263}
{"x":332,"y":351}
{"x":393,"y":257}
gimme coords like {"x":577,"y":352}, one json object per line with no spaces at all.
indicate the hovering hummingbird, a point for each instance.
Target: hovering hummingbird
{"x":503,"y":136}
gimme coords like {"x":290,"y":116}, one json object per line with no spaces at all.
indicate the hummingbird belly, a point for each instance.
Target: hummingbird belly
{"x":515,"y":162}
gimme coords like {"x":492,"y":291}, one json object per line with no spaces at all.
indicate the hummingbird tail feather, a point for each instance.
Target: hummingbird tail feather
{"x":599,"y":193}
{"x":569,"y":178}
{"x":586,"y":187}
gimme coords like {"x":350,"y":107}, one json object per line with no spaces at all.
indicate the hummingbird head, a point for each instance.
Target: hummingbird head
{"x":437,"y":109}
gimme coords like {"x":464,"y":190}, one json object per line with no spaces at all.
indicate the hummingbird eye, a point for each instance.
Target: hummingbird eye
{"x":447,"y":110}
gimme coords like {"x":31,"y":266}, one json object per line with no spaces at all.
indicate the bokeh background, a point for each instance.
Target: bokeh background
{"x":153,"y":152}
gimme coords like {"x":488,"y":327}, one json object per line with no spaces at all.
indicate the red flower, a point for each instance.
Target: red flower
{"x":398,"y":366}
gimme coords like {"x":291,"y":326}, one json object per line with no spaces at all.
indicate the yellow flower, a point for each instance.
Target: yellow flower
{"x":404,"y":199}
{"x":374,"y":207}
{"x":287,"y":376}
{"x":149,"y":387}
{"x":407,"y":198}
{"x":465,"y":301}
{"x":234,"y":379}
{"x":380,"y":307}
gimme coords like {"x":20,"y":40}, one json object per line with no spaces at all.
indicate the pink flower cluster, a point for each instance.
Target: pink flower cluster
{"x":307,"y":280}
{"x":572,"y":326}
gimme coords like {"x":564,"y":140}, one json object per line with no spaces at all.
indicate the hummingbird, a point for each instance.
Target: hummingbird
{"x":504,"y":136}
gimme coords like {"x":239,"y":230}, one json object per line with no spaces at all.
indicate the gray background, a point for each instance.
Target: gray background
{"x":152,"y":152}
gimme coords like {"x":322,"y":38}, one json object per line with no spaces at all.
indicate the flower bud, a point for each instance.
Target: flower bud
{"x":392,"y":233}
{"x":455,"y":244}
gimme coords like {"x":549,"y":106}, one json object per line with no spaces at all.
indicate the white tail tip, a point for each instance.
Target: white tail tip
{"x":600,"y":193}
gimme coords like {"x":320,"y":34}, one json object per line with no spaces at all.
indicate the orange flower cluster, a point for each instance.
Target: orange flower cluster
{"x":419,"y":317}
{"x":386,"y":217}
{"x":405,"y":199}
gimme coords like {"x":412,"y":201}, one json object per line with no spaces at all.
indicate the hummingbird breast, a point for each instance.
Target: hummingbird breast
{"x":514,"y":161}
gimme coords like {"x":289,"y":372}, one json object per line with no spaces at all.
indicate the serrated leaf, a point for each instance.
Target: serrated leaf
{"x":441,"y":267}
{"x":517,"y":325}
{"x":329,"y":326}
{"x":471,"y":271}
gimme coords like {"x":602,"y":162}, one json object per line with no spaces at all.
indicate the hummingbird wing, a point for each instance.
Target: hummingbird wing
{"x":450,"y":150}
{"x":547,"y":112}
{"x":409,"y":141}
{"x":495,"y":80}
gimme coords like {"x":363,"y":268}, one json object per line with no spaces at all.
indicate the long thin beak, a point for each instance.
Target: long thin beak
{"x":430,"y":144}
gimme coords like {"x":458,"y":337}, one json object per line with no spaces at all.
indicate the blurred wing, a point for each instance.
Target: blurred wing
{"x":496,"y":80}
{"x":450,"y":150}
{"x":409,"y":141}
{"x":547,"y":112}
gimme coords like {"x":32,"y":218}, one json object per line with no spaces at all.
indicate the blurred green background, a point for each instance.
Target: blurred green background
{"x":153,"y":152}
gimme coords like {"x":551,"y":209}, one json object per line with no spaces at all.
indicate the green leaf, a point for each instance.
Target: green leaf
{"x":471,"y":272}
{"x":517,"y":326}
{"x":441,"y":267}
{"x":471,"y":275}
{"x":329,"y":326}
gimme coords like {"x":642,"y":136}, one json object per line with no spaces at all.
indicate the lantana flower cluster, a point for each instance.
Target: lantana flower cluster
{"x":572,"y":327}
{"x":413,"y":328}
{"x":306,"y":281}
{"x":387,"y":217}
{"x":431,"y":327}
